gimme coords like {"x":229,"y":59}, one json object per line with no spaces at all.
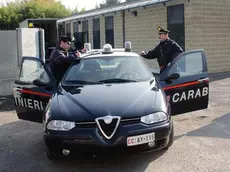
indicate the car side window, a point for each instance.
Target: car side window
{"x":188,"y":64}
{"x":31,"y":70}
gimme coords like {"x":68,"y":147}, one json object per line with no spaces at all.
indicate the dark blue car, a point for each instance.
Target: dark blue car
{"x":110,"y":99}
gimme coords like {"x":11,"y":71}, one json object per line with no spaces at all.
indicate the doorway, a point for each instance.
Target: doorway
{"x":109,"y":30}
{"x":175,"y":17}
{"x":96,"y":34}
{"x":85,"y":31}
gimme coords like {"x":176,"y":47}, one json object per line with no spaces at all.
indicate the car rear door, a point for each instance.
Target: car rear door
{"x":33,"y":89}
{"x":190,"y":91}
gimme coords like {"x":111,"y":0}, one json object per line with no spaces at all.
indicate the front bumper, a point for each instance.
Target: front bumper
{"x":89,"y":138}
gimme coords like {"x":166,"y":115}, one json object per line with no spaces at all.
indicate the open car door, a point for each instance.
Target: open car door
{"x":33,"y":89}
{"x":186,"y":82}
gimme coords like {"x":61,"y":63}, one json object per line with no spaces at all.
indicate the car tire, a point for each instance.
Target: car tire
{"x":52,"y":153}
{"x":171,"y":138}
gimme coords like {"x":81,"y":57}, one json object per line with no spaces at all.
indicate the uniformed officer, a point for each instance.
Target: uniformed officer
{"x":165,"y":51}
{"x":60,"y":59}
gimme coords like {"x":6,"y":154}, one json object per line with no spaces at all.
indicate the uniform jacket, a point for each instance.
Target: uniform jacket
{"x":60,"y":60}
{"x":165,"y":52}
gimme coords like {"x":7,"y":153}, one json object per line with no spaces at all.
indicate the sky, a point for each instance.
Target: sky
{"x":87,"y":4}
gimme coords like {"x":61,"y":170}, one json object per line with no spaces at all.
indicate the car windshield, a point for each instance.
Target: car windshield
{"x":110,"y":69}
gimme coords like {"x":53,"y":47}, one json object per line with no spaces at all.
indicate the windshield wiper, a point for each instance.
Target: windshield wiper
{"x":117,"y":80}
{"x":82,"y":82}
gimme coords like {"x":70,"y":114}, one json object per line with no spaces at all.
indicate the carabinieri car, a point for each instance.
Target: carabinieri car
{"x":110,"y":98}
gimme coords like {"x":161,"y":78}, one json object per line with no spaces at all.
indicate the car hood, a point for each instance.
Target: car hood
{"x":87,"y":102}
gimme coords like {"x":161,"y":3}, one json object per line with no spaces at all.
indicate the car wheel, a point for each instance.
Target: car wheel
{"x":171,"y":138}
{"x":52,"y":153}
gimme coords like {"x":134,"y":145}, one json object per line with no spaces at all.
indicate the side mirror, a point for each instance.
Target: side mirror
{"x":173,"y":76}
{"x":17,"y":82}
{"x":155,"y":74}
{"x":40,"y":83}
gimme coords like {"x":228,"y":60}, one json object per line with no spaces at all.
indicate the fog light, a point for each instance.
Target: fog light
{"x":65,"y":152}
{"x":151,"y":144}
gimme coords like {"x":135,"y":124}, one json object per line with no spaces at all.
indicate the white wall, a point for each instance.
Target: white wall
{"x":28,"y":39}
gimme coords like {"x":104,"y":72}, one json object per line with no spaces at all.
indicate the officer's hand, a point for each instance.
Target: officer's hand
{"x":142,"y":53}
{"x":83,"y":50}
{"x":78,"y":54}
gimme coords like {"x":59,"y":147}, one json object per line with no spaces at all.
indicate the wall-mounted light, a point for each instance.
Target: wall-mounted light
{"x":134,"y":13}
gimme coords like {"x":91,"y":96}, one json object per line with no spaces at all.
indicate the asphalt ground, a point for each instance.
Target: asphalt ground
{"x":201,"y":143}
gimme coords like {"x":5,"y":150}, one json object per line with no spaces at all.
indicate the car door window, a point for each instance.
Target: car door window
{"x":31,"y":70}
{"x":188,"y":64}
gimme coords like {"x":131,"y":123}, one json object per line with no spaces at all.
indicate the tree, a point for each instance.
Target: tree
{"x":107,"y":3}
{"x":13,"y":13}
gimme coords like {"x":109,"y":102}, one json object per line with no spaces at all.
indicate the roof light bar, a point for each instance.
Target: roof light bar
{"x":128,"y":46}
{"x":107,"y":48}
{"x":87,"y":46}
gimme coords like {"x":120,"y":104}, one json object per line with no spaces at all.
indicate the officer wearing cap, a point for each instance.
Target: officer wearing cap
{"x":165,"y":51}
{"x":60,"y":59}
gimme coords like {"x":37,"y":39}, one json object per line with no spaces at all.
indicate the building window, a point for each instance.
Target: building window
{"x":75,"y":27}
{"x":61,"y":29}
{"x":96,"y":33}
{"x":109,"y":30}
{"x":85,"y":33}
{"x":68,"y":32}
{"x":175,"y":15}
{"x":78,"y":43}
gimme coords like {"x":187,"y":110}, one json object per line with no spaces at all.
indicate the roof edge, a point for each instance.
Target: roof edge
{"x":112,"y":9}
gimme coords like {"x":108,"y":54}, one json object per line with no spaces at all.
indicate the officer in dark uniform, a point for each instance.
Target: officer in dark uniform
{"x":60,"y":59}
{"x":165,"y":51}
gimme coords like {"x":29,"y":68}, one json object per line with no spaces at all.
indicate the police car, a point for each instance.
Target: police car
{"x":110,"y":98}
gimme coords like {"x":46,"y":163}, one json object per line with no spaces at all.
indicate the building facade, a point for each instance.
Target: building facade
{"x":194,"y":24}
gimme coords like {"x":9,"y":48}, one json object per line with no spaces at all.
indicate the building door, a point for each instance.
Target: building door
{"x":175,"y":15}
{"x":109,"y":30}
{"x":96,"y":33}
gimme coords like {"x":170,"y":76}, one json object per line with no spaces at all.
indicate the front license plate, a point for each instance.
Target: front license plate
{"x":140,"y":139}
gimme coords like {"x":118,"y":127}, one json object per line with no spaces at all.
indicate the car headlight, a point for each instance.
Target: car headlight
{"x":60,"y":125}
{"x":154,"y":118}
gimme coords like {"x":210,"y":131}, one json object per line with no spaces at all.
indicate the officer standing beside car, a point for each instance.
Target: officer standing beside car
{"x":60,"y":59}
{"x":165,"y":51}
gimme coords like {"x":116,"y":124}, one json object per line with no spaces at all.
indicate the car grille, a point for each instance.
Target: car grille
{"x":129,"y":121}
{"x":92,"y":124}
{"x":85,"y":124}
{"x":108,"y":128}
